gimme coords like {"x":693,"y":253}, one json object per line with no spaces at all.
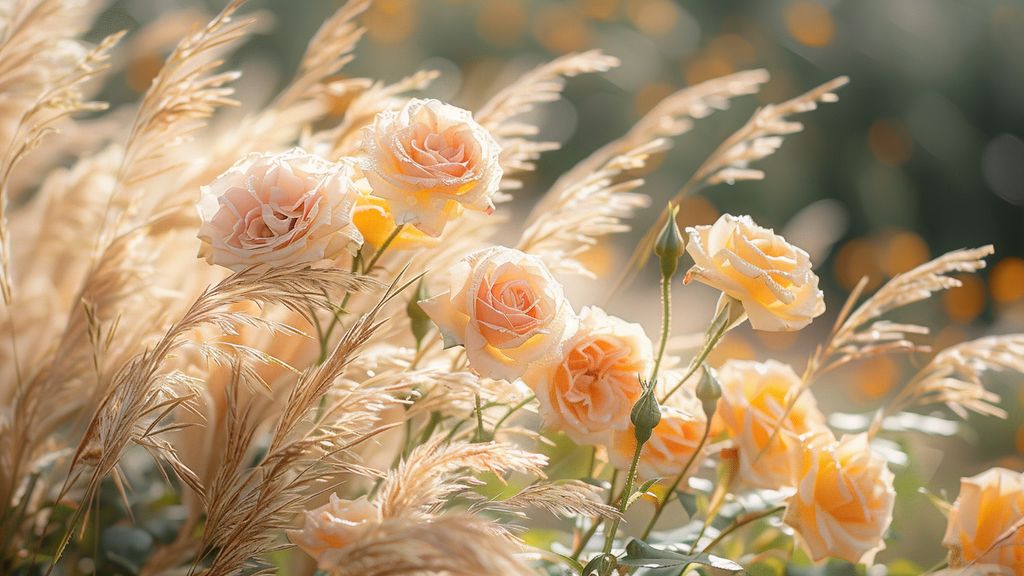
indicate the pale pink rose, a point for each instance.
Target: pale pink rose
{"x":507,"y":311}
{"x":844,"y":499}
{"x":431,"y":160}
{"x":989,"y":506}
{"x":754,"y":398}
{"x":589,"y":390}
{"x":772,"y":278}
{"x":335,"y":525}
{"x":278,"y":209}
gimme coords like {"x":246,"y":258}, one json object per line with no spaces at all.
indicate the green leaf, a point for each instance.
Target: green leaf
{"x":640,"y":491}
{"x":640,"y":554}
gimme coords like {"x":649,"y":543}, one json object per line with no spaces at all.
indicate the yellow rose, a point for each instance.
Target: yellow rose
{"x":989,"y":505}
{"x":589,"y":391}
{"x":673,"y":442}
{"x":278,"y":209}
{"x":844,"y":499}
{"x":373,"y":217}
{"x":505,"y":308}
{"x":335,"y":525}
{"x":431,"y":160}
{"x":754,"y":396}
{"x":772,"y":278}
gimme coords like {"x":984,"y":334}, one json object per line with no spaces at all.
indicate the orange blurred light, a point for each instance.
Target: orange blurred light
{"x":649,"y":95}
{"x":903,"y":250}
{"x":856,"y":259}
{"x":965,"y":303}
{"x":390,"y":21}
{"x":876,"y":377}
{"x":561,"y":29}
{"x":706,"y":67}
{"x":810,"y":23}
{"x":501,"y":21}
{"x":890,"y":142}
{"x":653,"y":17}
{"x":696,"y":211}
{"x":1007,"y":280}
{"x":732,"y":347}
{"x":600,"y":9}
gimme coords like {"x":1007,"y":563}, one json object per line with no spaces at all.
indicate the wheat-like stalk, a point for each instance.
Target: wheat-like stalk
{"x":60,"y":100}
{"x":542,"y":84}
{"x":433,"y":472}
{"x":953,"y":378}
{"x":759,"y":138}
{"x":566,"y":499}
{"x":859,"y":333}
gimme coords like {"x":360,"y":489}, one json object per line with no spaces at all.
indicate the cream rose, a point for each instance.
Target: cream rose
{"x":589,"y":391}
{"x":278,"y":209}
{"x":844,"y":499}
{"x":754,"y":398}
{"x":430,"y":160}
{"x":989,"y":505}
{"x":672,"y":444}
{"x":504,"y":307}
{"x":335,"y":525}
{"x":772,"y":278}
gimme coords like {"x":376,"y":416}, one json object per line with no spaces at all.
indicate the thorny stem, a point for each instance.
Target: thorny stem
{"x":479,"y":437}
{"x":627,"y":491}
{"x":666,"y":321}
{"x":662,"y":504}
{"x":737,"y":525}
{"x":511,"y":411}
{"x":348,"y":295}
{"x":718,"y":327}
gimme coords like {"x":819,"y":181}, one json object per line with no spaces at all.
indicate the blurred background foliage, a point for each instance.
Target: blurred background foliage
{"x":923,"y":153}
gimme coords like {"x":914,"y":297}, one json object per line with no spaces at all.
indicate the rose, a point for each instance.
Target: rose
{"x":431,"y":160}
{"x":754,"y":399}
{"x":335,"y":525}
{"x":589,"y":391}
{"x":373,"y":217}
{"x":278,"y":209}
{"x":772,"y":278}
{"x":844,"y":499}
{"x":504,"y":307}
{"x":989,"y":505}
{"x":672,"y":444}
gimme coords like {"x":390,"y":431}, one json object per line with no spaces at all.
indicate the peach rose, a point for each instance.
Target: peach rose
{"x":431,"y":160}
{"x":754,"y":396}
{"x":589,"y":391}
{"x":844,"y":499}
{"x":335,"y":525}
{"x":504,"y":307}
{"x":373,"y":217}
{"x":674,"y":441}
{"x":772,"y":278}
{"x":989,"y":505}
{"x":278,"y":209}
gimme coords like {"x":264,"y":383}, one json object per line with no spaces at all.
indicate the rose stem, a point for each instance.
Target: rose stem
{"x":660,"y":506}
{"x":732,"y":528}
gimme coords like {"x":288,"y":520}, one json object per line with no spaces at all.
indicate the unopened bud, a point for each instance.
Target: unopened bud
{"x":646,"y":415}
{"x":670,"y":245}
{"x":709,"y":391}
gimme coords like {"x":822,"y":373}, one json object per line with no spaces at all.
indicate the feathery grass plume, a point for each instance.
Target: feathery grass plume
{"x":542,"y":84}
{"x":328,"y":51}
{"x":61,"y":99}
{"x":759,"y":138}
{"x":565,"y":498}
{"x":858,"y":333}
{"x":953,"y":378}
{"x":182,"y":97}
{"x":141,"y":396}
{"x":593,"y":198}
{"x":436,"y":470}
{"x":455,"y":544}
{"x":247,"y":507}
